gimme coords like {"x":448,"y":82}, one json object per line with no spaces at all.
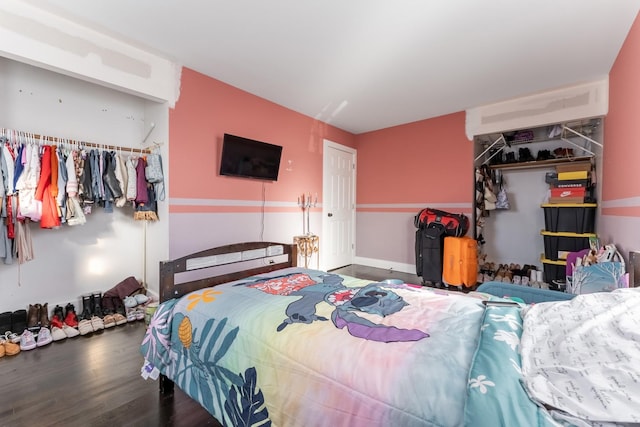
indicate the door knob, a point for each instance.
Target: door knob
{"x":330,"y":214}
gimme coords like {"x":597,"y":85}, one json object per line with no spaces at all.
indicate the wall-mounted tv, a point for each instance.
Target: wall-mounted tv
{"x":248,"y":158}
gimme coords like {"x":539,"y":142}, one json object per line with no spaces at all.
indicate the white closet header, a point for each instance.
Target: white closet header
{"x":577,"y":102}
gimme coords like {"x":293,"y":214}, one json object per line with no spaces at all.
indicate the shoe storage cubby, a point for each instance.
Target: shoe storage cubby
{"x":570,"y":217}
{"x":569,"y":227}
{"x":558,"y":245}
{"x":554,"y":272}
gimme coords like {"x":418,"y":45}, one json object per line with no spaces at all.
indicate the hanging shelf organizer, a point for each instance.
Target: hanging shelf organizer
{"x":567,"y":131}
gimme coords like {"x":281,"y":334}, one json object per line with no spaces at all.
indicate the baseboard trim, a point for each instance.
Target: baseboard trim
{"x":387,"y":265}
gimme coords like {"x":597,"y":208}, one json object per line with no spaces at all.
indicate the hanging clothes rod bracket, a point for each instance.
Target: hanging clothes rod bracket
{"x":151,"y":127}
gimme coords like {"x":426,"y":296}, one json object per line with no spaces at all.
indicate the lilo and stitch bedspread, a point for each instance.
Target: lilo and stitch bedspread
{"x":302,"y":347}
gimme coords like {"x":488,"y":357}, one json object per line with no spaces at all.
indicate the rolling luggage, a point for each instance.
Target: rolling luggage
{"x":429,"y":250}
{"x":460,"y":261}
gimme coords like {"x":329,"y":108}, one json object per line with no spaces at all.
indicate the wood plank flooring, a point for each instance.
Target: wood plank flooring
{"x":92,"y":381}
{"x":95,"y":380}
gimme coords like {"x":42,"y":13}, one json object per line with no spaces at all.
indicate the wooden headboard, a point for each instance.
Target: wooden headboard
{"x":235,"y":254}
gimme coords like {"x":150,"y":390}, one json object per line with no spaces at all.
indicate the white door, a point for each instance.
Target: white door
{"x":338,"y":205}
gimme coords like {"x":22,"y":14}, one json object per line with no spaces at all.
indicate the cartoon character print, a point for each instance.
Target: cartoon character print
{"x":374,"y":298}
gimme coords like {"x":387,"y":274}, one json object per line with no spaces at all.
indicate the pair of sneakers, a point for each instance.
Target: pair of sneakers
{"x":28,"y":341}
{"x":135,"y":300}
{"x":88,"y":326}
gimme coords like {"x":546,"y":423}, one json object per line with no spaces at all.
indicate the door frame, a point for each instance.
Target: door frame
{"x":327,"y":144}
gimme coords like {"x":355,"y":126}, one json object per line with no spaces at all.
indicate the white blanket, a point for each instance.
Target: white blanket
{"x":582,"y":357}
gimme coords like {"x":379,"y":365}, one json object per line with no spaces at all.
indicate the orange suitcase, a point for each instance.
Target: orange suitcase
{"x":460,"y":261}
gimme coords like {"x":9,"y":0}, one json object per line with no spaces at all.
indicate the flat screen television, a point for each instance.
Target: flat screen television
{"x":248,"y":158}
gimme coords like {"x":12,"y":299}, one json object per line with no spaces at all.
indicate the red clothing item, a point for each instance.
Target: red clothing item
{"x":50,"y":218}
{"x":45,"y":173}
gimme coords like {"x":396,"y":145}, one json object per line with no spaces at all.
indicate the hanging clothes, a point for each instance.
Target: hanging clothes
{"x":132,"y":182}
{"x":27,"y":183}
{"x":122,"y":176}
{"x":57,"y":184}
{"x":44,"y":191}
{"x":61,"y":199}
{"x":141,"y":182}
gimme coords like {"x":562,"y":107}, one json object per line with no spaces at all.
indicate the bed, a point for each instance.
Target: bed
{"x":279,"y":345}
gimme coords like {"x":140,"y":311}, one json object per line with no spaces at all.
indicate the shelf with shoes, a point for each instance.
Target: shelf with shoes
{"x":540,"y":163}
{"x":577,"y":138}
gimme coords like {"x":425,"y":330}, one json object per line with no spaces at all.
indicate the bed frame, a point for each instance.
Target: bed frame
{"x":235,"y":255}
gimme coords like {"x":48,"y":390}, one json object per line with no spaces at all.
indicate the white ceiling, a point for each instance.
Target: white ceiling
{"x":363,"y":65}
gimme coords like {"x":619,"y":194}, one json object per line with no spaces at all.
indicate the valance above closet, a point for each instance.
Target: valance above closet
{"x":57,"y":182}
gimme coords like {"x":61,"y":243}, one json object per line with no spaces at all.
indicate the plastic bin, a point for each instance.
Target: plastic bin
{"x":554,"y":270}
{"x":558,"y":245}
{"x":570,"y":217}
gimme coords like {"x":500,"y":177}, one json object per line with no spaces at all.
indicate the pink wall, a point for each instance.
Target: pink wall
{"x":619,"y":221}
{"x":429,"y":161}
{"x":621,"y":158}
{"x":207,"y":109}
{"x":402,"y":170}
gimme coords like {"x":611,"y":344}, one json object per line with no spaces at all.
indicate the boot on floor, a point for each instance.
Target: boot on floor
{"x":87,"y":305}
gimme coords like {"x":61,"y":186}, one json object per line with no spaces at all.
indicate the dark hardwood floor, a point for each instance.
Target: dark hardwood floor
{"x":95,"y":380}
{"x":372,"y":273}
{"x":90,"y":381}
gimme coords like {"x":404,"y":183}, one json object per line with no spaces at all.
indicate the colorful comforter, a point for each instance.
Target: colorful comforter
{"x":302,"y":347}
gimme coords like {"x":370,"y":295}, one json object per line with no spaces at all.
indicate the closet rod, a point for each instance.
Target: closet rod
{"x":57,"y":140}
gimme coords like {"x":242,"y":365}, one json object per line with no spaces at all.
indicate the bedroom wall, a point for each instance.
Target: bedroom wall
{"x":620,"y":220}
{"x":401,"y":170}
{"x":210,"y":210}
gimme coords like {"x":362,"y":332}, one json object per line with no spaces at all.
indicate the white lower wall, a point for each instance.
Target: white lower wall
{"x":386,"y":236}
{"x":623,"y":231}
{"x":193,"y":232}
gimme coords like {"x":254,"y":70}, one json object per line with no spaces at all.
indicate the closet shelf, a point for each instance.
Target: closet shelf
{"x":539,"y":163}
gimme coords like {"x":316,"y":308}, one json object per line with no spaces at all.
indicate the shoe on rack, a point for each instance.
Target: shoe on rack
{"x":43,"y":319}
{"x":44,"y":337}
{"x":141,"y":298}
{"x":57,"y":334}
{"x":130,"y":302}
{"x":5,"y":322}
{"x":120,"y":319}
{"x":12,"y":337}
{"x":19,"y":321}
{"x":97,"y":323}
{"x":140,"y":311}
{"x":131,"y":314}
{"x":27,"y":341}
{"x":56,"y":321}
{"x":59,"y":312}
{"x":69,"y":331}
{"x":33,"y":317}
{"x":86,"y":307}
{"x":71,"y":318}
{"x":11,"y":349}
{"x":109,"y":321}
{"x":85,"y":327}
{"x":97,"y":304}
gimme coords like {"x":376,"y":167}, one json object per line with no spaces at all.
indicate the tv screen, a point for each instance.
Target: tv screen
{"x":247,"y":158}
